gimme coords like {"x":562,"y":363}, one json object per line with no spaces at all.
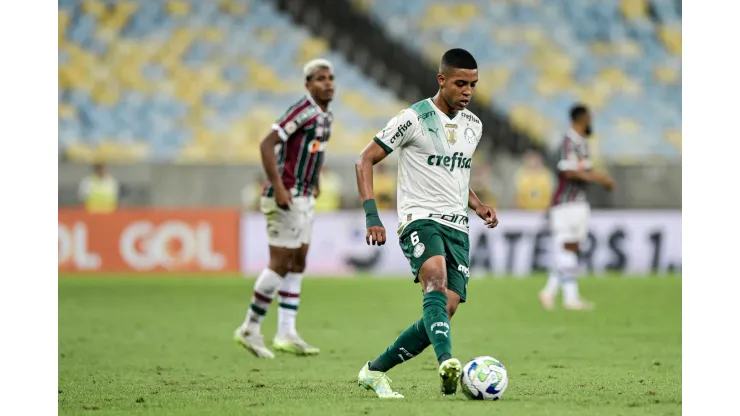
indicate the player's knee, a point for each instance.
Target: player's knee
{"x":298,"y":265}
{"x":281,"y":261}
{"x":433,"y":275}
{"x":435,"y":283}
{"x":280,"y":268}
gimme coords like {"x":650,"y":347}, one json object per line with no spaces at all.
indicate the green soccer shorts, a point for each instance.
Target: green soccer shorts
{"x":422,"y":239}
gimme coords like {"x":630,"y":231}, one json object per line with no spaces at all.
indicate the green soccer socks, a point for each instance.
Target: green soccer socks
{"x":437,"y":324}
{"x":412,"y":341}
{"x":433,"y":328}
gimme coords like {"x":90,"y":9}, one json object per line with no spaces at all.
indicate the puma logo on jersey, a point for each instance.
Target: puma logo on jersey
{"x":457,"y":160}
{"x":431,"y":130}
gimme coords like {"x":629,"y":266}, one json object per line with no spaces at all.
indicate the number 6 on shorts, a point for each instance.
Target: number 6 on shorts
{"x":414,"y":238}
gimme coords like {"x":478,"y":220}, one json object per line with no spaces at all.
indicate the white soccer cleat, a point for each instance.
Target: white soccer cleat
{"x":547,"y":301}
{"x":254,"y":343}
{"x":579,"y":305}
{"x":294,"y":344}
{"x":378,"y":382}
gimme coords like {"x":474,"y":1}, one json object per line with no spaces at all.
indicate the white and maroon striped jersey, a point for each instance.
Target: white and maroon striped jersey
{"x":305,"y":130}
{"x":574,"y":155}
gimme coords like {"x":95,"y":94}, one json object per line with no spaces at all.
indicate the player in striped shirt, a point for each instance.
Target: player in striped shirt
{"x":570,"y":211}
{"x":292,"y":155}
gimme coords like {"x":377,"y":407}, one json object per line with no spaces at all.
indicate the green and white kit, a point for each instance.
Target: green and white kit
{"x":434,"y":162}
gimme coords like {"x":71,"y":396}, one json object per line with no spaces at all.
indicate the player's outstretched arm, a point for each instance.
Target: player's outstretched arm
{"x":484,"y":211}
{"x":572,"y":167}
{"x":269,"y":163}
{"x":371,"y":155}
{"x":590,"y":176}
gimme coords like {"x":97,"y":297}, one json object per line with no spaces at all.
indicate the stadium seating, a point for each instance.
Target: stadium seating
{"x":193,"y":80}
{"x":537,"y":57}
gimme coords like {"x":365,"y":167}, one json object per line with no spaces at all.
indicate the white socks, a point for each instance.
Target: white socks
{"x":565,"y":275}
{"x":264,"y":291}
{"x":288,"y":289}
{"x":567,"y":268}
{"x":552,"y":287}
{"x":289,"y":299}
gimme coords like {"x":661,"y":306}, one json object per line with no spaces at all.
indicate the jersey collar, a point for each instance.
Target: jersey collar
{"x":573,"y":133}
{"x":310,"y":99}
{"x":442,"y":114}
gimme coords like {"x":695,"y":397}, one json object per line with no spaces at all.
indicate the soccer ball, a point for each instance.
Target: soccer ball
{"x":484,"y":378}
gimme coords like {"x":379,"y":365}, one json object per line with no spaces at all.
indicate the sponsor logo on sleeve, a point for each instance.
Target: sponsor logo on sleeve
{"x":400,"y":131}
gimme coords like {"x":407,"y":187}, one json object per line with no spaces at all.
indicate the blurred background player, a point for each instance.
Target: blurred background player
{"x":252,"y":193}
{"x":534,"y":183}
{"x":481,"y":181}
{"x":570,"y":212}
{"x":436,"y":139}
{"x":384,"y":187}
{"x":292,"y":156}
{"x":329,"y":198}
{"x":99,"y":191}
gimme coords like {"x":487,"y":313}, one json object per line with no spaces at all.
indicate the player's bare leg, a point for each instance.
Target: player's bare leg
{"x":249,"y":334}
{"x":453,"y":301}
{"x":437,"y":311}
{"x":287,"y":338}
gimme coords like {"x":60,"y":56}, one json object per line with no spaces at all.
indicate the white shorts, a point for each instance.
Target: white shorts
{"x":569,"y":222}
{"x":288,"y":228}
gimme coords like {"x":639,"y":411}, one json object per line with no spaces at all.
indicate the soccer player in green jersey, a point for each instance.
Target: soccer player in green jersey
{"x":436,"y":139}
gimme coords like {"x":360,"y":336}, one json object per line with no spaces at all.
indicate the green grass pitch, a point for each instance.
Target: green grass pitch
{"x":131,"y":345}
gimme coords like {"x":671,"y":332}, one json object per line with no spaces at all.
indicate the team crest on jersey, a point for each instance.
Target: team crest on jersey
{"x":469,"y":135}
{"x":451,"y":136}
{"x":291,"y":127}
{"x":419,"y":250}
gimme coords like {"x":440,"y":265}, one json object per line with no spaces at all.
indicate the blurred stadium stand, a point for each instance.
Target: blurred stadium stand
{"x":158,"y":83}
{"x":193,"y":81}
{"x":622,"y":57}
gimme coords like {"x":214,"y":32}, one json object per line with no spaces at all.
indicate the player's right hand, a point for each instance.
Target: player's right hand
{"x":282,"y":198}
{"x":376,"y":235}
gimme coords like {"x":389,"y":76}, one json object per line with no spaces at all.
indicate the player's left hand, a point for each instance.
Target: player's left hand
{"x":488,"y":215}
{"x":375,"y":235}
{"x":316,"y":192}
